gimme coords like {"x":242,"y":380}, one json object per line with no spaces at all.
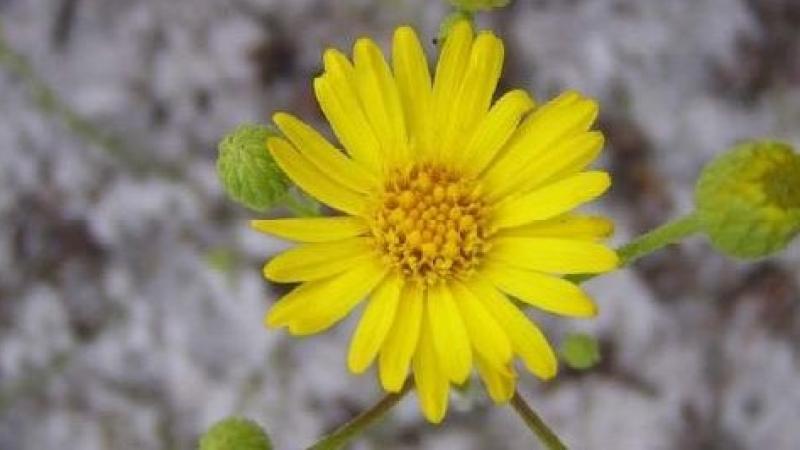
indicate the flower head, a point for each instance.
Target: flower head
{"x":451,"y":203}
{"x":748,"y":199}
{"x":478,"y":5}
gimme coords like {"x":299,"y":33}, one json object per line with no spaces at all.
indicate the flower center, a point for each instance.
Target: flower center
{"x":430,"y":223}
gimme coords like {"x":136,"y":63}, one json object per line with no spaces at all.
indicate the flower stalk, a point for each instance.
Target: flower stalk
{"x":359,"y":424}
{"x":51,"y":105}
{"x":666,"y":234}
{"x":669,"y":233}
{"x":536,"y":424}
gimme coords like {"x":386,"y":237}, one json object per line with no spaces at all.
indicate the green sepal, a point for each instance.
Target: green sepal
{"x":235,"y":433}
{"x":748,"y":199}
{"x":580,"y":351}
{"x":246,"y":169}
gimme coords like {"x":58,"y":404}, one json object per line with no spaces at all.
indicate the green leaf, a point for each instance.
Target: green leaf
{"x":247,"y":171}
{"x":748,"y":199}
{"x":235,"y":433}
{"x":580,"y":351}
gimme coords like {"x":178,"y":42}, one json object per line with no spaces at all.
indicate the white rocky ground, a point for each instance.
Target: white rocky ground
{"x":130,"y":288}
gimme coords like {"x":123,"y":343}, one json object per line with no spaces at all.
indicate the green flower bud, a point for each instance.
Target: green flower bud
{"x":748,"y":199}
{"x":247,"y":170}
{"x":479,"y":5}
{"x":580,"y":351}
{"x":235,"y":433}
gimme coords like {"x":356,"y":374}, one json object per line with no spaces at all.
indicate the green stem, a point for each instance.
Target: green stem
{"x":48,"y":103}
{"x":653,"y":240}
{"x":536,"y":424}
{"x":348,"y":431}
{"x":669,"y":233}
{"x":666,"y":234}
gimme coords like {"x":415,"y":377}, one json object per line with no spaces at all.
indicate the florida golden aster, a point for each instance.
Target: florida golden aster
{"x":451,"y":203}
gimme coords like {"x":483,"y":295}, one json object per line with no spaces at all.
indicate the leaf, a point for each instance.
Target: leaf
{"x":246,"y":169}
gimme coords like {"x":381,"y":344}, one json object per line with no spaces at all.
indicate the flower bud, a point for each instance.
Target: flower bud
{"x":748,"y":199}
{"x":246,"y":168}
{"x":235,"y":433}
{"x":479,"y":5}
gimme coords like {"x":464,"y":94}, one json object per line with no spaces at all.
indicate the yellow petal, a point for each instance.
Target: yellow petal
{"x":323,"y":302}
{"x":563,"y":256}
{"x":374,"y":324}
{"x":325,"y":157}
{"x":453,"y":62}
{"x":401,"y":342}
{"x":341,"y":107}
{"x":526,"y":338}
{"x":568,"y":226}
{"x":341,"y":73}
{"x":469,"y":106}
{"x":317,"y":229}
{"x":449,"y":335}
{"x":548,"y":293}
{"x":319,"y":260}
{"x":432,"y":384}
{"x":488,"y":337}
{"x":495,"y":130}
{"x":500,"y":383}
{"x":569,"y":157}
{"x":312,"y":180}
{"x":551,"y":200}
{"x":320,"y":318}
{"x":414,"y":84}
{"x":568,"y":114}
{"x":381,"y":100}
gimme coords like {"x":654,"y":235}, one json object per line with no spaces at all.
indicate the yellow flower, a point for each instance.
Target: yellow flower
{"x":451,"y":204}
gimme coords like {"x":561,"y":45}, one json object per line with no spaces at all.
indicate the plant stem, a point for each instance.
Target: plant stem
{"x":50,"y":104}
{"x":666,"y":234}
{"x":536,"y":424}
{"x":669,"y":233}
{"x":343,"y":434}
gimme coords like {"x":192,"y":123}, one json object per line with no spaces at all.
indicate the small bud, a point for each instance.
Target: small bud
{"x":748,"y":199}
{"x":580,"y":351}
{"x":247,"y":170}
{"x":479,"y":5}
{"x":235,"y":433}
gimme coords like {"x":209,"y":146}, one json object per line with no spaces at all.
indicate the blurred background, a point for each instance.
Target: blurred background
{"x":130,"y":289}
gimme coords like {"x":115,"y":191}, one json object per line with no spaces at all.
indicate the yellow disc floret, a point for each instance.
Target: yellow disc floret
{"x":430,"y":223}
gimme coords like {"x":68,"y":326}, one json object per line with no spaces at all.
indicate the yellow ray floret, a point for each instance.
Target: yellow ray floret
{"x":447,"y":206}
{"x":375,"y":324}
{"x":318,"y":229}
